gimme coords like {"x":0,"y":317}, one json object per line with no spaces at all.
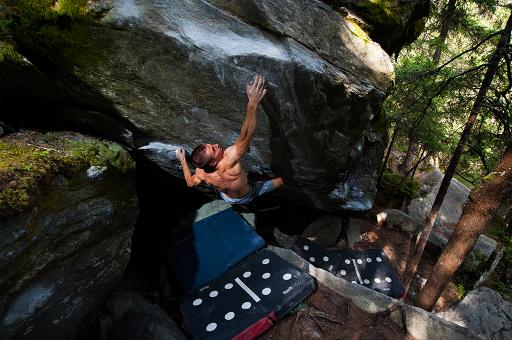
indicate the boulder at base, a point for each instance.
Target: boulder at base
{"x":451,"y":209}
{"x":483,"y":311}
{"x":135,"y":318}
{"x":68,"y":207}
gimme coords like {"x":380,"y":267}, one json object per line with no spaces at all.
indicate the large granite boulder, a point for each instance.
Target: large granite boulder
{"x":174,"y":73}
{"x":68,"y":208}
{"x":451,"y":209}
{"x":484,"y":312}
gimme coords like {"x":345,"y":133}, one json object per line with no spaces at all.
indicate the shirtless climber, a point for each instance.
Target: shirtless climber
{"x":222,"y":168}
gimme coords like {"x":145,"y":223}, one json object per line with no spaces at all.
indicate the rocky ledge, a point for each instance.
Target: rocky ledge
{"x":68,"y":208}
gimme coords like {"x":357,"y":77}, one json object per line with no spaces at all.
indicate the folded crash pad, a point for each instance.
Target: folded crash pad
{"x":212,"y":246}
{"x":368,"y":267}
{"x":247,"y":299}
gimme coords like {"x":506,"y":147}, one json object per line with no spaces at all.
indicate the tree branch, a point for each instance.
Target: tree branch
{"x":436,"y":70}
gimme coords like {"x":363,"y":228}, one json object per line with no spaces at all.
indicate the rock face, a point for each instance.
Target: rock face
{"x":133,"y":317}
{"x":390,"y":23}
{"x":67,"y":211}
{"x":175,"y":72}
{"x":451,"y":210}
{"x":483,"y":311}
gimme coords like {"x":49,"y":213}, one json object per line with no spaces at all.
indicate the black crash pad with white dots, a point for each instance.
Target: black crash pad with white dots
{"x":368,"y":267}
{"x":247,"y":299}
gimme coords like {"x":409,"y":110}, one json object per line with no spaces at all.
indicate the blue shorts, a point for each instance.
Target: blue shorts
{"x":257,"y":189}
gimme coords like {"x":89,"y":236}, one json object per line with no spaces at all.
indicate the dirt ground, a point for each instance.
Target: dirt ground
{"x":327,"y":315}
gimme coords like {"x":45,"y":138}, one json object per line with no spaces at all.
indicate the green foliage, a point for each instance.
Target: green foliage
{"x":503,"y":289}
{"x":472,"y":268}
{"x":430,"y":104}
{"x":407,"y":187}
{"x":496,"y":283}
{"x":460,"y":291}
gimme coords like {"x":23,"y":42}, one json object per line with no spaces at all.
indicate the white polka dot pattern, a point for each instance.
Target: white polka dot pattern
{"x":228,"y":286}
{"x":214,"y":293}
{"x":369,"y":260}
{"x":359,"y":261}
{"x":211,"y":327}
{"x":347,"y":261}
{"x":311,"y":259}
{"x":287,"y":276}
{"x":266,"y":291}
{"x":343,"y":272}
{"x":306,"y":247}
{"x":378,"y":259}
{"x":326,"y":258}
{"x":377,"y":280}
{"x":246,"y":305}
{"x":366,"y":281}
{"x":265,"y":261}
{"x":229,"y":316}
{"x":197,"y":302}
{"x":265,"y":276}
{"x":388,"y":279}
{"x":247,"y":274}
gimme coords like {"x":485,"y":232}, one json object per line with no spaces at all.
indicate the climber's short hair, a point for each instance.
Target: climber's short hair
{"x":199,"y":159}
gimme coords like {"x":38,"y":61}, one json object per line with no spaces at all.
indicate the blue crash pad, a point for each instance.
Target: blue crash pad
{"x":213,"y":245}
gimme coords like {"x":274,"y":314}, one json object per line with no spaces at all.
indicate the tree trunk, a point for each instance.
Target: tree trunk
{"x":447,"y":22}
{"x":409,"y":157}
{"x":421,"y":241}
{"x":385,"y":162}
{"x":483,"y":203}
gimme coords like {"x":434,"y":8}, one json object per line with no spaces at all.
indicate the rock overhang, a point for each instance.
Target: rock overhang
{"x":177,"y":72}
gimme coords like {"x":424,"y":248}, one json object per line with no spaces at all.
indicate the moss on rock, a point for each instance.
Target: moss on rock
{"x":9,"y":53}
{"x":61,"y":30}
{"x":8,"y":50}
{"x":355,"y":29}
{"x":382,"y":12}
{"x":29,"y":161}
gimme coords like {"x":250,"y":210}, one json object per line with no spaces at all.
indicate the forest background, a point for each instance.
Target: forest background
{"x":445,"y":75}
